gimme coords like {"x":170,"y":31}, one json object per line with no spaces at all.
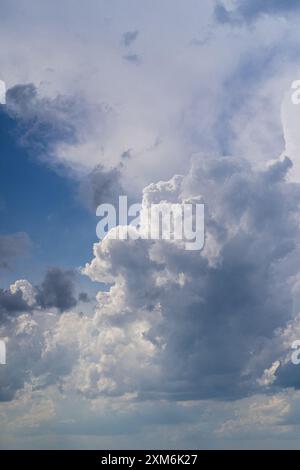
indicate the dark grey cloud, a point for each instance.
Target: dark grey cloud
{"x":237,"y":304}
{"x":12,"y":303}
{"x":217,"y":323}
{"x":129,"y":37}
{"x":100,"y":186}
{"x":250,"y":10}
{"x":57,"y":290}
{"x":83,"y":297}
{"x":133,"y":58}
{"x":13,"y":246}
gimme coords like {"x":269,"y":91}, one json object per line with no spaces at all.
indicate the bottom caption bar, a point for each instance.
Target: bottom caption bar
{"x":139,"y":458}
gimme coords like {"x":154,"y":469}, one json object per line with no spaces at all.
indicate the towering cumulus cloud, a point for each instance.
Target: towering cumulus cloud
{"x":177,"y":324}
{"x":196,"y":322}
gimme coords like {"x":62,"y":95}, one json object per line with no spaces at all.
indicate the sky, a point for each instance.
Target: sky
{"x":128,"y":344}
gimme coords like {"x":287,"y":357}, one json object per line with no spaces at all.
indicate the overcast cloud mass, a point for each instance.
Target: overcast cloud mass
{"x":141,"y":343}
